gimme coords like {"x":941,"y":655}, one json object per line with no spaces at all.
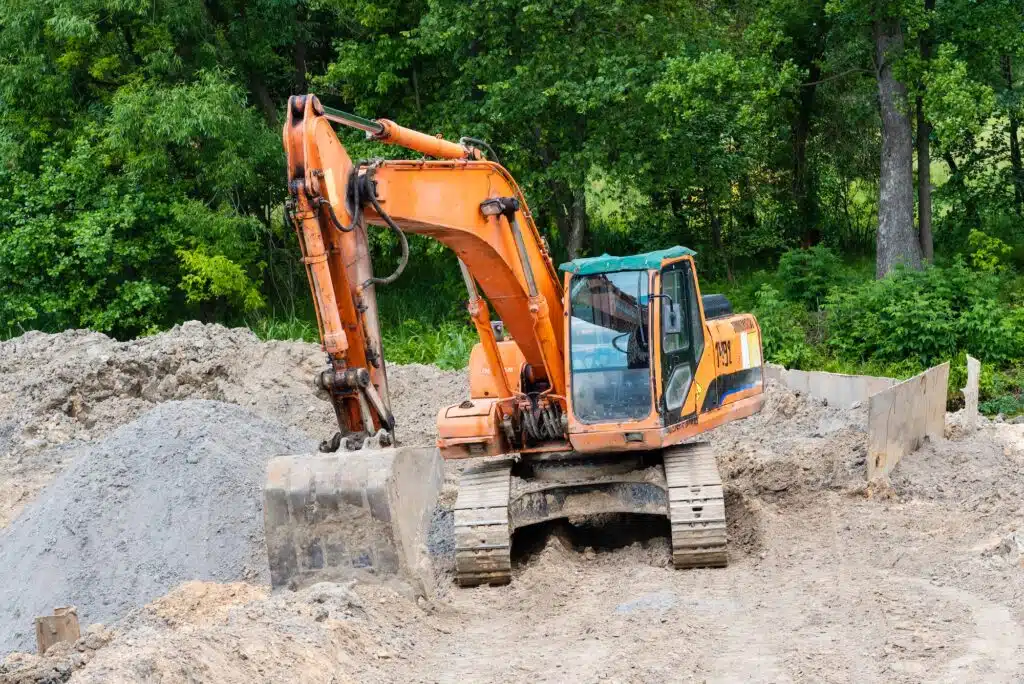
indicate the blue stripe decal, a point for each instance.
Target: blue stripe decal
{"x":738,"y":389}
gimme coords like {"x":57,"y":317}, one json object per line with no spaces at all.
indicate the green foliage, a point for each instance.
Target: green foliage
{"x":1006,"y":404}
{"x":958,"y":106}
{"x":1002,"y":391}
{"x":927,"y":316}
{"x":141,"y":181}
{"x":783,"y":334}
{"x":988,"y":254}
{"x":808,"y":274}
{"x":208,"y":277}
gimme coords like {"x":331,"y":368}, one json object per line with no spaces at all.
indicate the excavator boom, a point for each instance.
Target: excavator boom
{"x":472,"y":206}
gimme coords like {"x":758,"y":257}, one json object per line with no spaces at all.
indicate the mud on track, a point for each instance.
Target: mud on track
{"x":828,"y":580}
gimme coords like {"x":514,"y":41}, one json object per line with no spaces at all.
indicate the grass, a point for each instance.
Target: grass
{"x":446,"y":344}
{"x":290,"y":327}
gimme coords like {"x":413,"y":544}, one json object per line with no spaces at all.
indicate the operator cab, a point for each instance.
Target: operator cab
{"x":613,"y":350}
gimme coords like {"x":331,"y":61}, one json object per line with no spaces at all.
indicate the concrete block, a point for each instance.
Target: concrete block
{"x":53,"y":629}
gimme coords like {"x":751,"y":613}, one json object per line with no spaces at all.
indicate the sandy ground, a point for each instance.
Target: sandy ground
{"x":919,"y":579}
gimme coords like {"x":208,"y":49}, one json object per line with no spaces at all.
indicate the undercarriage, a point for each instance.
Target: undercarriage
{"x":499,"y":496}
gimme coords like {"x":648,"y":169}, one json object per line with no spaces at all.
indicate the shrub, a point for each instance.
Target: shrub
{"x":782,"y":329}
{"x":926,"y":316}
{"x":988,"y":254}
{"x":808,"y":274}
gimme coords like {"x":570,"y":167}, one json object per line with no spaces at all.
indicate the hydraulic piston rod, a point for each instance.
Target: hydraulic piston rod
{"x":383,"y":130}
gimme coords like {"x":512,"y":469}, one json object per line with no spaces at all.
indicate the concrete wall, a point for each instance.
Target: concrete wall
{"x":837,"y":389}
{"x":901,"y":417}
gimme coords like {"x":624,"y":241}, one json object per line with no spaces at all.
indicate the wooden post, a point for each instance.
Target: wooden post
{"x":61,"y":626}
{"x":970,"y":414}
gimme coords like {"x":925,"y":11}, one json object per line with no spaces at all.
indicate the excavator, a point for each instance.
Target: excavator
{"x":585,"y":398}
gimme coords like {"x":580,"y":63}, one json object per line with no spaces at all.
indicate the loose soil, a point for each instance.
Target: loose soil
{"x":917,"y":579}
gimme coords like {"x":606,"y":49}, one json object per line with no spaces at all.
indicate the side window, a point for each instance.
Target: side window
{"x":672,"y":285}
{"x":682,"y":338}
{"x":693,"y":309}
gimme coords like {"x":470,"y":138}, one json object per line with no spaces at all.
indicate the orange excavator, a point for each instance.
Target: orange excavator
{"x":584,"y":398}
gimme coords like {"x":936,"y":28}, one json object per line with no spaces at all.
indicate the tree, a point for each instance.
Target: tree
{"x":924,"y":158}
{"x":897,"y":242}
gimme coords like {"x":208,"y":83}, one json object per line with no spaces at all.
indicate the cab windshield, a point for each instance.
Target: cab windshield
{"x":609,"y":340}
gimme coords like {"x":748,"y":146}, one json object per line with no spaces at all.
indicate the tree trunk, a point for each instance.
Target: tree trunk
{"x":924,"y":157}
{"x":956,"y":179}
{"x":810,"y":49}
{"x":577,"y":223}
{"x":803,"y":193}
{"x":263,"y":99}
{"x":299,"y":61}
{"x":716,"y":241}
{"x":924,"y":185}
{"x":1015,"y":162}
{"x":897,"y":241}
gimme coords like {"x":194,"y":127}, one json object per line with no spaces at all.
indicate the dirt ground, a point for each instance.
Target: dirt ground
{"x":830,"y":580}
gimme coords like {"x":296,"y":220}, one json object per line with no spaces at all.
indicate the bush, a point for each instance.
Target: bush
{"x":808,"y":274}
{"x":782,"y":329}
{"x":927,"y":316}
{"x":988,"y":254}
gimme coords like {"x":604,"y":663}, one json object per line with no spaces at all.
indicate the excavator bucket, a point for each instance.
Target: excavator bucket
{"x":328,"y":516}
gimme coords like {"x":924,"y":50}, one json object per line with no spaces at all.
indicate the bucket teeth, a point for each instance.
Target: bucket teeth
{"x":482,"y":532}
{"x":696,"y":507}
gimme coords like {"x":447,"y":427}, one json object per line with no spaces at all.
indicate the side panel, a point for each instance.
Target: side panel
{"x":738,"y":361}
{"x":470,"y":429}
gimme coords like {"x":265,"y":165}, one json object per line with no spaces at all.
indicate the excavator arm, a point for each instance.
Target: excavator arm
{"x":470,"y":204}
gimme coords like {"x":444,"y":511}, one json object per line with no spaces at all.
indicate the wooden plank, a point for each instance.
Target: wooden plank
{"x":970,"y":392}
{"x":903,"y":416}
{"x":61,"y":626}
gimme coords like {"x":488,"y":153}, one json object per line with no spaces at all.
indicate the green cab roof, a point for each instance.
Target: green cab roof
{"x":636,"y":262}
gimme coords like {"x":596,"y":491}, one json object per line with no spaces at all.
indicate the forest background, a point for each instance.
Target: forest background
{"x":849,"y":170}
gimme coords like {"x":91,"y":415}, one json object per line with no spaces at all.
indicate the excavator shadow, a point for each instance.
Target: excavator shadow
{"x":594,"y":535}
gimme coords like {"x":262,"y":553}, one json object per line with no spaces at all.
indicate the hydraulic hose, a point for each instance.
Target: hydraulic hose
{"x":404,"y":259}
{"x":492,"y":155}
{"x":334,"y":217}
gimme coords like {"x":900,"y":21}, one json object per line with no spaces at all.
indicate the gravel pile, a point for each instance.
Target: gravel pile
{"x":80,"y":385}
{"x":173,"y":496}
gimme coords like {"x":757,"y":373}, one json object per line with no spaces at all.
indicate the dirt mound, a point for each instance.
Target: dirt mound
{"x":173,"y":496}
{"x":79,"y":385}
{"x":60,"y":661}
{"x":203,"y":603}
{"x":796,"y":443}
{"x":326,"y":633}
{"x":827,"y":580}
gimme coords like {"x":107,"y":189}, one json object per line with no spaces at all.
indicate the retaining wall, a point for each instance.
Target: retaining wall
{"x":836,"y":388}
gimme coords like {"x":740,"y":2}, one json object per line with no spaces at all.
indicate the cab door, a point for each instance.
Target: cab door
{"x":682,"y":342}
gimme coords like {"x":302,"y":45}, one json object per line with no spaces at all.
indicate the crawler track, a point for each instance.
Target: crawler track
{"x":696,"y":507}
{"x":482,"y":534}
